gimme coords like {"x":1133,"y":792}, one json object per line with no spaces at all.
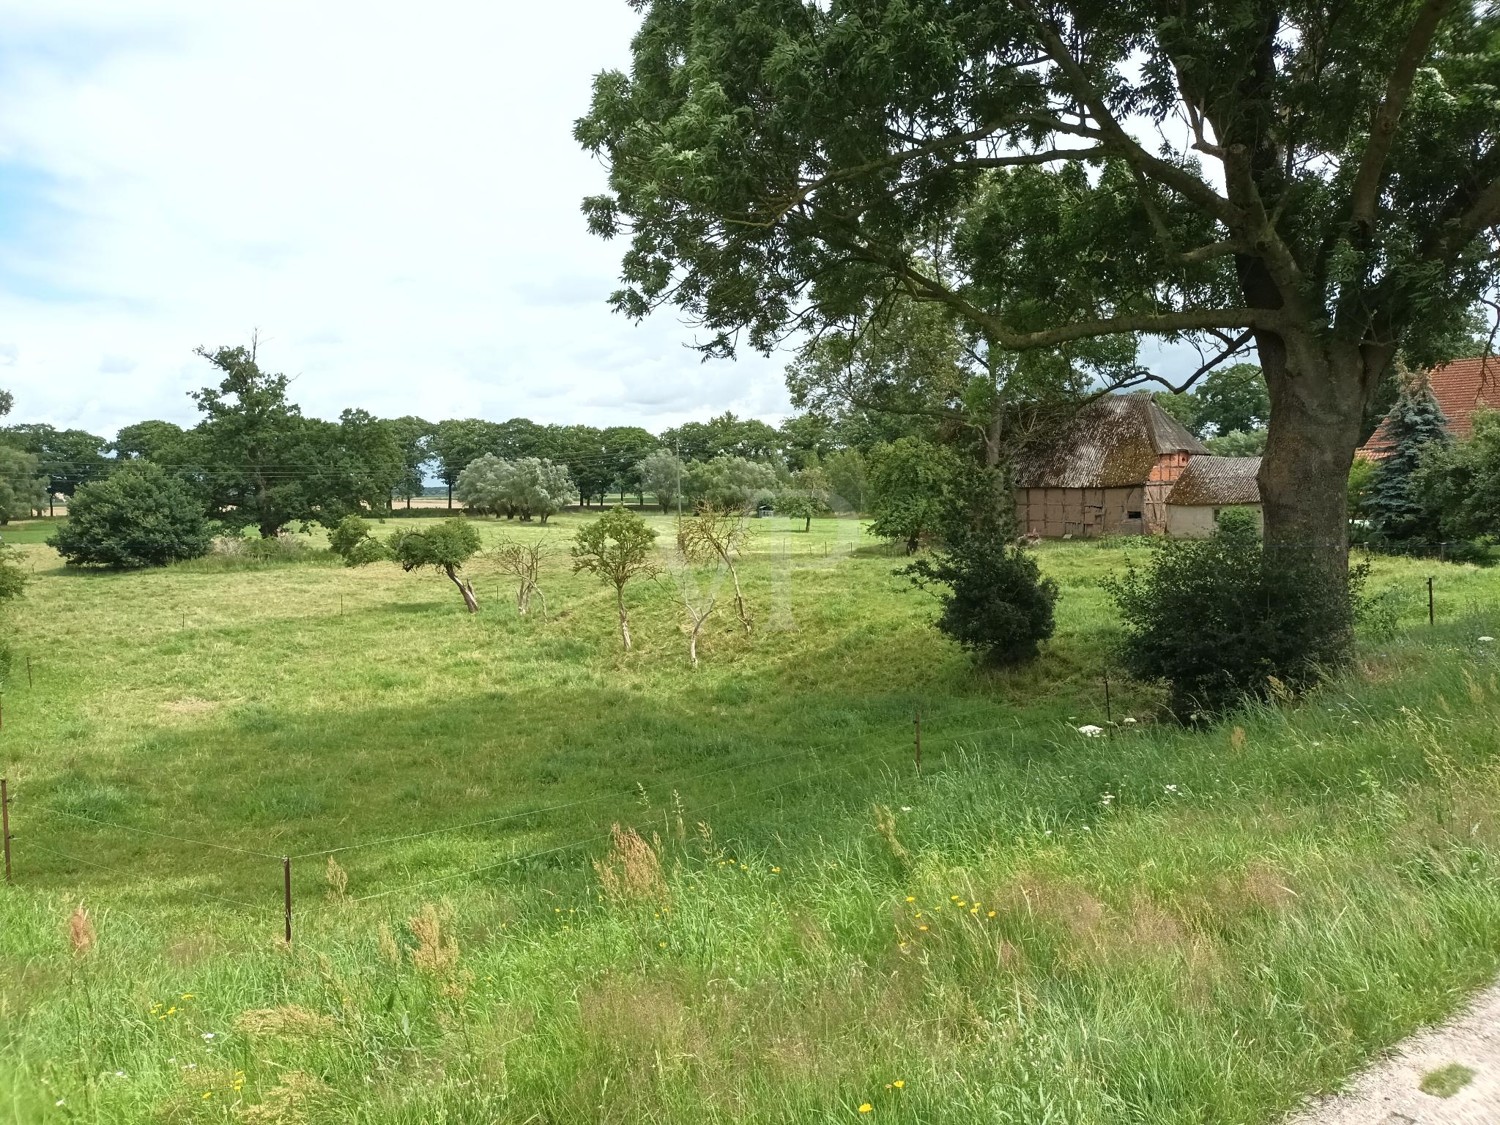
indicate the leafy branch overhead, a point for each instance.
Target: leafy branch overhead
{"x":1320,"y":182}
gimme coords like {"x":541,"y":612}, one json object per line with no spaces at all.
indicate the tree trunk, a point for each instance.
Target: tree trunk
{"x":450,"y":496}
{"x":808,"y":525}
{"x":466,"y":588}
{"x":268,"y":530}
{"x":1319,"y":391}
{"x":624,"y":620}
{"x":739,"y":598}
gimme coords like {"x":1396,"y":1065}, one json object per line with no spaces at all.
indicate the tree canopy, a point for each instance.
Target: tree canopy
{"x":1319,"y":181}
{"x":138,"y":516}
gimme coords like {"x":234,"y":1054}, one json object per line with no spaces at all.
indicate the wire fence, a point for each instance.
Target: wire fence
{"x":884,"y":754}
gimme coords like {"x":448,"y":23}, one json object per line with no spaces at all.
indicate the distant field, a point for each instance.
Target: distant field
{"x":1158,"y":926}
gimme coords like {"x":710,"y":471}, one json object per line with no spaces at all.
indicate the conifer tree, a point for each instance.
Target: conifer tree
{"x":1414,"y":425}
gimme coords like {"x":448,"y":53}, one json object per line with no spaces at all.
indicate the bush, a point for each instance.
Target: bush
{"x":353,"y":542}
{"x":998,"y":605}
{"x":1218,"y":625}
{"x":138,"y":516}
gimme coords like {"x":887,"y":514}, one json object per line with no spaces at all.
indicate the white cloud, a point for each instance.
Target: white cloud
{"x":388,"y":192}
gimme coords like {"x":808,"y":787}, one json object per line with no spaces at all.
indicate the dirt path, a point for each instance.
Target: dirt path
{"x":1389,"y":1093}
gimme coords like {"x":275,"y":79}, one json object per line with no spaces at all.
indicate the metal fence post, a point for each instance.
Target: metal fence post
{"x":1431,"y":606}
{"x":286,"y":882}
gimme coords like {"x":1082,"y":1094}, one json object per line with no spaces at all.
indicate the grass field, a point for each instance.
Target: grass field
{"x":1157,"y":926}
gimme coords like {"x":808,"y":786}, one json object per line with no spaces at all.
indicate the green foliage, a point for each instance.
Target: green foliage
{"x":1361,"y":478}
{"x":1459,"y":482}
{"x":729,"y":482}
{"x":807,"y":496}
{"x":616,"y":548}
{"x":67,"y":458}
{"x":162,"y":442}
{"x":997,"y":604}
{"x":1221,"y":620}
{"x":1232,"y":399}
{"x":724,"y":436}
{"x":12,"y":576}
{"x":22,"y":489}
{"x":137,"y":516}
{"x":457,"y":443}
{"x":1238,"y":443}
{"x":413,"y":436}
{"x":914,"y":490}
{"x":354,"y":542}
{"x":446,"y":547}
{"x":263,"y":465}
{"x":528,"y":487}
{"x":848,"y":480}
{"x":660,"y":472}
{"x":1395,"y":504}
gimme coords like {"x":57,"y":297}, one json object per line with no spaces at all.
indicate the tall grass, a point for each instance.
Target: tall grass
{"x":721,"y":895}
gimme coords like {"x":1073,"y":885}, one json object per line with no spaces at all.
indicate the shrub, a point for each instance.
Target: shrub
{"x":998,"y":605}
{"x":138,"y":516}
{"x":1218,"y":625}
{"x":353,"y":542}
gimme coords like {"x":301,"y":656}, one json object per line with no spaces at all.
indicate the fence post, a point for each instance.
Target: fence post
{"x":5,"y":822}
{"x":286,"y":882}
{"x":1108,"y":714}
{"x":28,"y":672}
{"x":1431,"y":607}
{"x":919,"y":741}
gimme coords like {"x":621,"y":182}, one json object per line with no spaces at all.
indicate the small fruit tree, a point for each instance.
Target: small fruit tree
{"x":445,"y":547}
{"x":616,"y":547}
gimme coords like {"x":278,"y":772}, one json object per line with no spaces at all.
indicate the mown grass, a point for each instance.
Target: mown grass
{"x":1158,"y":926}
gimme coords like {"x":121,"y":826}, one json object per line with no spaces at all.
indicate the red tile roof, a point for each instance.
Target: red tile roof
{"x":1460,"y":388}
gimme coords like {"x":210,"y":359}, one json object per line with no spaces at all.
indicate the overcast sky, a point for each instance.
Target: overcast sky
{"x":390,"y":193}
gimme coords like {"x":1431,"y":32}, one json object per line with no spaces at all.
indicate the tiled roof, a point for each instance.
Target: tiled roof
{"x":1111,"y":442}
{"x":1460,"y":387}
{"x":1217,"y":481}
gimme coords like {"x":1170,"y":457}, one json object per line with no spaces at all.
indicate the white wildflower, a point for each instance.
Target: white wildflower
{"x":207,"y":1035}
{"x":1486,"y":640}
{"x":1089,"y":730}
{"x":1127,"y":721}
{"x":1169,"y":788}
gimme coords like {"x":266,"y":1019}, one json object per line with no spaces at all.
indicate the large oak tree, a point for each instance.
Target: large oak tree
{"x":1320,"y":181}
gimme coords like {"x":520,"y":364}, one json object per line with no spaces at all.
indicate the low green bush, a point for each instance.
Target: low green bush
{"x":1219,"y":623}
{"x":997,"y":603}
{"x":138,"y":516}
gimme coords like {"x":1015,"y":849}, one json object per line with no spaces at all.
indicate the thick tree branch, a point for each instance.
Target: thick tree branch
{"x":1366,"y":190}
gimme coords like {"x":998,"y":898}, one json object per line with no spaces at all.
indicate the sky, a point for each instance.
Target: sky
{"x":388,"y":193}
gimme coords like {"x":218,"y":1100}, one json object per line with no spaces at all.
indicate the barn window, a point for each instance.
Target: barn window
{"x":1132,"y":515}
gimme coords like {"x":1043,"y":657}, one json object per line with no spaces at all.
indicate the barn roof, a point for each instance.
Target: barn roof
{"x":1460,"y":387}
{"x":1111,"y":442}
{"x":1217,"y":481}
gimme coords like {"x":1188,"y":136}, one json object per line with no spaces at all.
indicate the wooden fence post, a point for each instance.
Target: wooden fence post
{"x":5,"y":822}
{"x":919,"y":741}
{"x":286,"y":882}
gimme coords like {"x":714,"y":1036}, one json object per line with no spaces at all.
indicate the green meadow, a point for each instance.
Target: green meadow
{"x":538,"y":879}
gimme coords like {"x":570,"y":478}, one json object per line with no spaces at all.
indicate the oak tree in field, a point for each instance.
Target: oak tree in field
{"x":616,"y":548}
{"x":138,"y":516}
{"x":807,"y":497}
{"x":523,"y":562}
{"x":445,"y":546}
{"x":1320,"y":181}
{"x":717,"y":535}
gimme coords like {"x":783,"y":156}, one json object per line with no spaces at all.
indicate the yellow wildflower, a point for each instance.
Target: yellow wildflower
{"x":900,"y":1083}
{"x":866,"y":1107}
{"x":991,"y":914}
{"x":911,"y":898}
{"x":922,"y":928}
{"x":775,"y":871}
